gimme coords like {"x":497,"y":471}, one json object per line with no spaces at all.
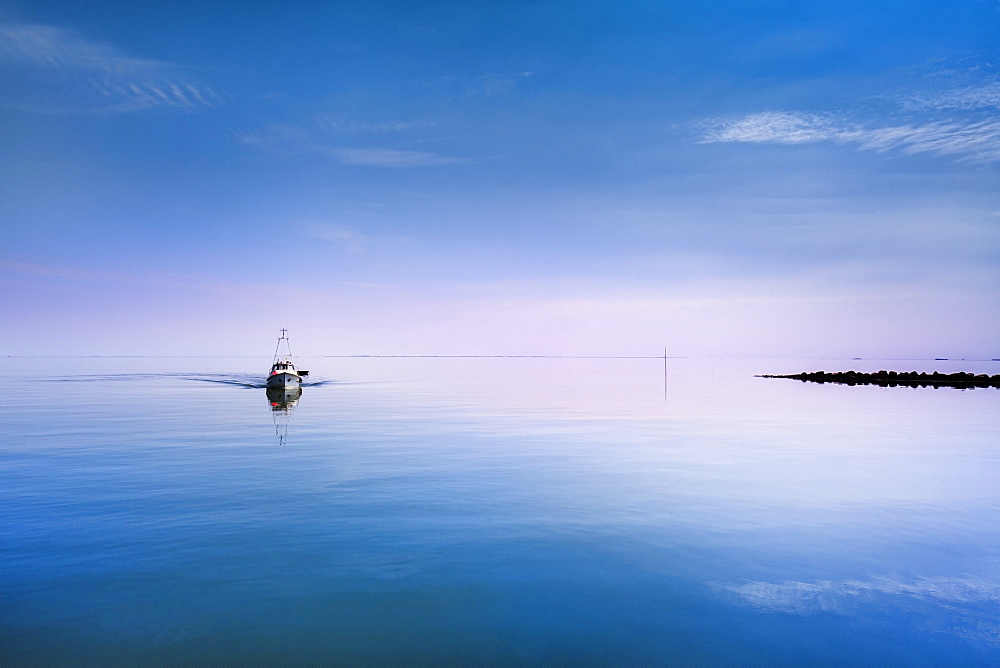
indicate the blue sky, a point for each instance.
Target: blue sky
{"x":723,"y":178}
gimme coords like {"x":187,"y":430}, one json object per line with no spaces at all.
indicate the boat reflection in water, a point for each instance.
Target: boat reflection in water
{"x":282,"y":400}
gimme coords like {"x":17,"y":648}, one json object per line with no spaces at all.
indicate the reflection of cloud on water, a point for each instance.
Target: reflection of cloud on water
{"x":829,"y":596}
{"x":961,"y":599}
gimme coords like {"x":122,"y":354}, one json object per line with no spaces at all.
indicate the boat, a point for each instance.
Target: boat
{"x":283,"y":373}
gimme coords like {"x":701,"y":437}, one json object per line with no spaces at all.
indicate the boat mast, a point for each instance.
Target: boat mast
{"x":288,"y":346}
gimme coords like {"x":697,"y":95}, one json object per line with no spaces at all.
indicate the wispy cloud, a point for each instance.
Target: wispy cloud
{"x":343,"y":237}
{"x":49,"y":69}
{"x":18,"y":274}
{"x":781,"y":127}
{"x":496,"y":85}
{"x":984,"y":96}
{"x":384,"y":157}
{"x":339,"y":125}
{"x":948,"y":112}
{"x":323,"y":134}
{"x":976,"y":140}
{"x":970,"y":139}
{"x":349,"y":239}
{"x":56,"y":271}
{"x":278,"y":136}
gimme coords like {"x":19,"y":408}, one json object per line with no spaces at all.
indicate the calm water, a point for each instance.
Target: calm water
{"x":495,"y":512}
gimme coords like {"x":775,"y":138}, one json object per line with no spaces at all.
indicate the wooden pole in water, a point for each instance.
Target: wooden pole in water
{"x":664,"y":374}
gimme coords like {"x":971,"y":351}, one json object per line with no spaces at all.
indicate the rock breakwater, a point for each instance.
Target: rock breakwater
{"x":895,"y":378}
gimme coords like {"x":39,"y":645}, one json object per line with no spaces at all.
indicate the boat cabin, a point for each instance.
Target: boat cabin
{"x":286,"y":366}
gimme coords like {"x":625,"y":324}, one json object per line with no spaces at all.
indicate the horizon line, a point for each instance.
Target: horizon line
{"x":518,"y":356}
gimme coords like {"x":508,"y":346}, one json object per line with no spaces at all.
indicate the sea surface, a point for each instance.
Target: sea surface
{"x":495,"y":512}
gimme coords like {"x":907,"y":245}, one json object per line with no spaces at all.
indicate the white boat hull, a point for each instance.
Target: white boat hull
{"x":283,"y":380}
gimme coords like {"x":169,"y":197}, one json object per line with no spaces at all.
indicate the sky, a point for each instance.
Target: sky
{"x":721,"y":178}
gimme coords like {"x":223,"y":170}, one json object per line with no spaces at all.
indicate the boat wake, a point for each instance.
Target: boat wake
{"x":113,"y":377}
{"x":246,"y":381}
{"x":318,"y":383}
